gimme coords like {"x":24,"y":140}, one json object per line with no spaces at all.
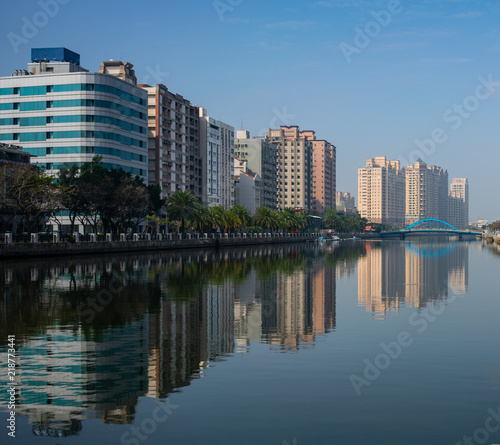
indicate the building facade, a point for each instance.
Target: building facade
{"x":247,"y":186}
{"x":426,"y":192}
{"x":217,"y":153}
{"x":323,"y":175}
{"x":293,"y":168}
{"x":65,"y":115}
{"x":381,"y":191}
{"x":175,"y":162}
{"x":459,"y":203}
{"x":345,"y":202}
{"x":260,"y":155}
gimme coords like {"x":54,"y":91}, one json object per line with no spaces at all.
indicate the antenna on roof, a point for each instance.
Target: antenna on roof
{"x":241,"y":124}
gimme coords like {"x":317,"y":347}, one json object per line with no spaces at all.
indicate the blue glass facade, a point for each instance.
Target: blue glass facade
{"x":88,"y":114}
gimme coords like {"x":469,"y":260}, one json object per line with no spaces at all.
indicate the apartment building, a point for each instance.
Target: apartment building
{"x":260,"y":156}
{"x":175,"y":161}
{"x":217,"y":153}
{"x":247,"y":186}
{"x":293,"y":168}
{"x":323,"y":173}
{"x":459,"y":203}
{"x":381,"y":191}
{"x":426,"y":192}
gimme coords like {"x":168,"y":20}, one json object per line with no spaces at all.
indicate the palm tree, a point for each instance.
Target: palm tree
{"x":180,"y":206}
{"x":331,"y":220}
{"x":200,"y":218}
{"x":287,"y":218}
{"x":241,"y":216}
{"x":302,"y":219}
{"x":221,"y":218}
{"x":266,"y":218}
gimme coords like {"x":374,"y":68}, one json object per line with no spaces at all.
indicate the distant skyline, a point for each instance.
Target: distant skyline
{"x":401,"y":79}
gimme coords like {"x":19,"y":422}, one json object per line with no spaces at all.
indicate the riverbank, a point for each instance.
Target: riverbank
{"x":34,"y":250}
{"x":491,"y":238}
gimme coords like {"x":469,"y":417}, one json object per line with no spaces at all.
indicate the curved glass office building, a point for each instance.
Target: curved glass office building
{"x":65,"y":115}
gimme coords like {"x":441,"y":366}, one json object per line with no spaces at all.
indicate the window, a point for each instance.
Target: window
{"x":49,"y":150}
{"x":49,"y":120}
{"x":49,"y":135}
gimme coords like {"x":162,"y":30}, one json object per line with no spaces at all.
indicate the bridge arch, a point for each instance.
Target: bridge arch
{"x":431,"y":220}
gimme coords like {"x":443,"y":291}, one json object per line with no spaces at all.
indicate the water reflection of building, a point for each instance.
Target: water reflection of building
{"x":412,"y":274}
{"x":302,"y":307}
{"x":177,"y":341}
{"x":65,"y":377}
{"x":171,"y":315}
{"x":248,"y":311}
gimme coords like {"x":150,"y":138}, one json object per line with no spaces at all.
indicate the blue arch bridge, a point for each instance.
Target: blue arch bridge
{"x":429,"y":227}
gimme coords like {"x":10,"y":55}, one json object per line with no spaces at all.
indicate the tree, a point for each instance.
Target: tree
{"x":71,"y":199}
{"x":495,"y":225}
{"x":180,"y":206}
{"x":30,"y":192}
{"x":286,"y":218}
{"x":332,"y":220}
{"x":266,"y":218}
{"x":200,"y":218}
{"x":241,"y":216}
{"x":302,"y":220}
{"x":221,"y":218}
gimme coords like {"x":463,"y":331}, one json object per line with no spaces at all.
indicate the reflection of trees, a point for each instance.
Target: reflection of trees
{"x":114,"y":290}
{"x":39,"y":297}
{"x":345,"y":251}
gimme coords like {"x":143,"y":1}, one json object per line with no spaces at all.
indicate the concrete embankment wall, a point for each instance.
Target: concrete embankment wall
{"x":98,"y":248}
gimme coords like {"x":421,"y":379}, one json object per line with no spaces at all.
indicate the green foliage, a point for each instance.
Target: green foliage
{"x":181,"y":206}
{"x":265,"y":217}
{"x":494,"y":225}
{"x":28,"y":191}
{"x":342,"y":223}
{"x":113,"y":198}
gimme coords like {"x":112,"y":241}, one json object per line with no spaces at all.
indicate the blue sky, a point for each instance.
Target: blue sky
{"x":418,"y":73}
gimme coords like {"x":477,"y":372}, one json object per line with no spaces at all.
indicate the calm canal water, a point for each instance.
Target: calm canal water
{"x":347,"y":343}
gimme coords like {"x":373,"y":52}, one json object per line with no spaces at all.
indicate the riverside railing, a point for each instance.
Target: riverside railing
{"x":77,"y":238}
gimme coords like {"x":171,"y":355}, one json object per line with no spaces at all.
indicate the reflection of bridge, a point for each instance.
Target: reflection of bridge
{"x":429,"y":226}
{"x":431,"y":250}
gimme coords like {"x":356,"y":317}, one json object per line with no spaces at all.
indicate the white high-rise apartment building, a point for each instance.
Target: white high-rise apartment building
{"x":381,"y":191}
{"x":426,"y":192}
{"x":217,"y":153}
{"x":459,"y":203}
